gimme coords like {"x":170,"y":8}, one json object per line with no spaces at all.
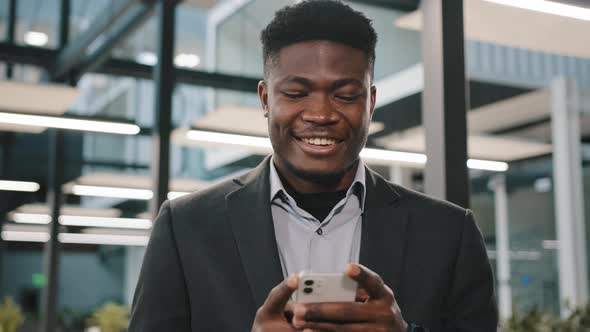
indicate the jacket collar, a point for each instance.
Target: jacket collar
{"x":382,"y":240}
{"x":251,"y":221}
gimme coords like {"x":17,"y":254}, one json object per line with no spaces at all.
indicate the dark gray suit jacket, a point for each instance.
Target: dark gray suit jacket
{"x":212,"y":259}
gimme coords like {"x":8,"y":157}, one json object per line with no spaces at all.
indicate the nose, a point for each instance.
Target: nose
{"x":320,"y":112}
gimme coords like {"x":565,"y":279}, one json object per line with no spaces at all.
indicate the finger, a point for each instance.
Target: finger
{"x":333,"y":327}
{"x":341,"y":312}
{"x":288,"y":312}
{"x":278,"y":297}
{"x":361,"y":295}
{"x":370,"y":281}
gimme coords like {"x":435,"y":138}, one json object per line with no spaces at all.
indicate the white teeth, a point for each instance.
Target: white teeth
{"x":319,"y":141}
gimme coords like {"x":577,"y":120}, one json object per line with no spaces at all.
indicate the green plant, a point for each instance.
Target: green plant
{"x":532,"y":321}
{"x":11,"y":316}
{"x":110,"y":318}
{"x":538,"y":321}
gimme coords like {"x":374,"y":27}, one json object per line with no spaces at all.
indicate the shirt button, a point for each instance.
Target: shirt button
{"x":319,"y":231}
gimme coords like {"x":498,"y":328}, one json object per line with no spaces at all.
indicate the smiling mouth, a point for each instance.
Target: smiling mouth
{"x":319,"y":141}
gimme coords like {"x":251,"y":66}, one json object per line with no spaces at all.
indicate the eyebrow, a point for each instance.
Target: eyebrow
{"x":338,"y":84}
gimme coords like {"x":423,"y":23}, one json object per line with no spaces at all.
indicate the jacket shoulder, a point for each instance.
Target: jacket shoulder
{"x":418,"y":200}
{"x":209,"y":199}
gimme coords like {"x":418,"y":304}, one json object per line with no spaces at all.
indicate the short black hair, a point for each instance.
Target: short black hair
{"x":318,"y":20}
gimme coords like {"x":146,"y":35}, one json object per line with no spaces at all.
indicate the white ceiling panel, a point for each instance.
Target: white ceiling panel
{"x":499,"y":148}
{"x":49,"y":99}
{"x":516,"y":27}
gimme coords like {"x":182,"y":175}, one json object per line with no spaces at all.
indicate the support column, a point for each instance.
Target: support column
{"x":10,"y":33}
{"x":568,"y":195}
{"x":444,"y":100}
{"x":164,"y":84}
{"x":52,"y":250}
{"x":498,"y":184}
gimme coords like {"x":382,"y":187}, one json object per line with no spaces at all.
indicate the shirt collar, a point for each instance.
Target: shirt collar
{"x":277,"y":188}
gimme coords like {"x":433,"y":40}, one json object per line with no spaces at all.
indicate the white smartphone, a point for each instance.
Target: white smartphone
{"x":324,"y":287}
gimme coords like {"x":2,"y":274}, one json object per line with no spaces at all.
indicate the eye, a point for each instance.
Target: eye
{"x":348,"y":97}
{"x":294,"y":94}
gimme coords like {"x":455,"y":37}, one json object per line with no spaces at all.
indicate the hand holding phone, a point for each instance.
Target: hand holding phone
{"x":325,"y":287}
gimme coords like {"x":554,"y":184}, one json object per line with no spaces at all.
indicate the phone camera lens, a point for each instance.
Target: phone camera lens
{"x":308,"y":282}
{"x":308,"y":290}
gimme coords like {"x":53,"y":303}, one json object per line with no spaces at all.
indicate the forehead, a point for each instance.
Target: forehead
{"x":320,"y":59}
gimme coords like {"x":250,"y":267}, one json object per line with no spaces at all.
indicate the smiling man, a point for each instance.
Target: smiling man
{"x":226,"y":258}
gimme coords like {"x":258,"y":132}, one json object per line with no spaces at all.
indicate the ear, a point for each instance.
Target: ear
{"x":263,"y":95}
{"x":373,"y":99}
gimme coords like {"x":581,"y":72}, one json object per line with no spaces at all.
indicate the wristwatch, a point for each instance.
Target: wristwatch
{"x":413,"y":327}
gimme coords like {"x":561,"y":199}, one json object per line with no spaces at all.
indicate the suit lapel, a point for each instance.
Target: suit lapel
{"x":384,"y":231}
{"x":251,"y":221}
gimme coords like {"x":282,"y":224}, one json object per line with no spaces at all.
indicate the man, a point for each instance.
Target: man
{"x":218,"y":260}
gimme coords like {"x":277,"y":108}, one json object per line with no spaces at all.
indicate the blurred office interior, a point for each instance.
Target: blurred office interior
{"x":109,"y":107}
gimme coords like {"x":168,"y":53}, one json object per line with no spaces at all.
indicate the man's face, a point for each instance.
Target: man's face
{"x":319,"y":101}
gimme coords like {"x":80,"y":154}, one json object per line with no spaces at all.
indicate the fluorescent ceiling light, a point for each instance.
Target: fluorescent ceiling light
{"x":392,"y":156}
{"x":36,"y":38}
{"x":372,"y":155}
{"x":147,"y":58}
{"x":67,"y":123}
{"x":19,"y":186}
{"x":487,"y":165}
{"x":548,"y":7}
{"x":25,"y":236}
{"x":76,"y":238}
{"x":187,"y":60}
{"x":176,"y":194}
{"x":82,"y":221}
{"x":230,"y":139}
{"x":129,"y":193}
{"x":116,"y":192}
{"x":104,"y":239}
{"x":30,"y":218}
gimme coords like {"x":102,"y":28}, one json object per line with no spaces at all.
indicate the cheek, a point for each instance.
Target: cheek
{"x":279,"y":126}
{"x":358,"y":120}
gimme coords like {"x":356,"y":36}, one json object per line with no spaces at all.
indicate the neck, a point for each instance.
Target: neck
{"x":307,"y":185}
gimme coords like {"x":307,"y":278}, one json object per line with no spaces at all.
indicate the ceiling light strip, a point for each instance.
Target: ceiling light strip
{"x":82,"y":221}
{"x":76,"y":238}
{"x":68,"y":123}
{"x":548,"y":7}
{"x":114,"y":192}
{"x":19,"y":186}
{"x":19,"y":236}
{"x":370,"y":155}
{"x":30,"y":218}
{"x":120,"y":192}
{"x":104,"y":239}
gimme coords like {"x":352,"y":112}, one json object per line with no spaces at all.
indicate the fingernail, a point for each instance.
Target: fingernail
{"x":353,"y":270}
{"x":292,"y":281}
{"x":297,"y":323}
